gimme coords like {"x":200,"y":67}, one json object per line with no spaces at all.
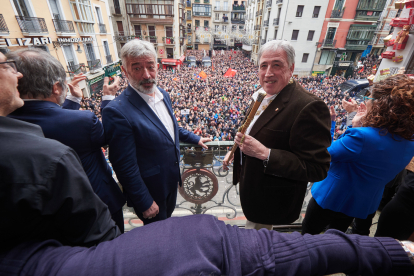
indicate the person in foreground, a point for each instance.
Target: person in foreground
{"x":40,"y":233}
{"x":285,"y":146}
{"x":365,"y":158}
{"x":144,"y":136}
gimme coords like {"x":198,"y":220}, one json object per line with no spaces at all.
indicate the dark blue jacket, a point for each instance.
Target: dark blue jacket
{"x":82,"y":131}
{"x":142,"y":152}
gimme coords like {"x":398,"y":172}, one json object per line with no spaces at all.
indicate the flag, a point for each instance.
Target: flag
{"x":362,"y":70}
{"x":230,"y":73}
{"x":212,"y":67}
{"x":202,"y":75}
{"x":175,"y":79}
{"x":168,"y":41}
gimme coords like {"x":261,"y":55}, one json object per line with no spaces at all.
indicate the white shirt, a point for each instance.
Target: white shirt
{"x":160,"y":109}
{"x":265,"y":103}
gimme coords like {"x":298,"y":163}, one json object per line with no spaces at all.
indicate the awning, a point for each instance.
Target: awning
{"x":169,"y":61}
{"x":182,"y":59}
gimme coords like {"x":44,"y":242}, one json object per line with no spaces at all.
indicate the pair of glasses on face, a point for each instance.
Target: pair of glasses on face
{"x":10,"y":65}
{"x":366,"y":98}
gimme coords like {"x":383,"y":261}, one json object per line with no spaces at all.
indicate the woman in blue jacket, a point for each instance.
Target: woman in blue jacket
{"x":365,"y":158}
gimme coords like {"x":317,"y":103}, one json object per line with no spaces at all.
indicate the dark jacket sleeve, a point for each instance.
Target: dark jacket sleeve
{"x":310,"y":137}
{"x":78,"y":214}
{"x":68,"y":104}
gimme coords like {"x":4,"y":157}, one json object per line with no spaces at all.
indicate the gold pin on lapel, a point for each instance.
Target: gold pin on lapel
{"x":277,"y":109}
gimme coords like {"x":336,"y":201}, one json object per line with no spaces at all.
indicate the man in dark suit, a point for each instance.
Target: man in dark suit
{"x":144,"y":137}
{"x":43,"y":92}
{"x":45,"y":197}
{"x":284,"y":147}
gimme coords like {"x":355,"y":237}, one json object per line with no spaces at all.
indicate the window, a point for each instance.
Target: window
{"x":216,"y":16}
{"x":55,"y":9}
{"x":392,"y":14}
{"x":225,"y":6}
{"x":82,"y":10}
{"x":310,"y":35}
{"x":216,"y":28}
{"x":169,"y":31}
{"x":137,"y":30}
{"x":275,"y":37}
{"x":106,"y":47}
{"x":305,"y":58}
{"x":224,"y":28}
{"x":206,"y":23}
{"x":381,"y":40}
{"x":197,"y":23}
{"x":299,"y":11}
{"x":120,"y":28}
{"x":70,"y":55}
{"x":99,"y":15}
{"x":327,"y":57}
{"x":387,"y":27}
{"x":316,"y":10}
{"x":201,"y":10}
{"x":295,"y":34}
{"x":217,"y":6}
{"x":241,"y":27}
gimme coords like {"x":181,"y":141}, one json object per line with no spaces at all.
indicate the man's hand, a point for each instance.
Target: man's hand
{"x":362,"y":112}
{"x":251,"y":146}
{"x":111,"y":89}
{"x":152,"y":211}
{"x":350,"y":106}
{"x":333,"y":113}
{"x":74,"y":85}
{"x":227,"y":161}
{"x":202,"y":141}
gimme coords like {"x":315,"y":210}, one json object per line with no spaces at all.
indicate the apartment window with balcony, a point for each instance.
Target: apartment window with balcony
{"x":299,"y":11}
{"x":295,"y":35}
{"x":224,"y":28}
{"x":217,"y":5}
{"x":82,"y":15}
{"x":216,"y":16}
{"x":225,"y":6}
{"x":138,"y":31}
{"x":216,"y":28}
{"x":197,"y":23}
{"x":152,"y":35}
{"x":102,"y":27}
{"x":169,"y":31}
{"x":234,"y":28}
{"x":107,"y":52}
{"x":310,"y":35}
{"x":70,"y":57}
{"x":316,"y":11}
{"x":201,"y":10}
{"x":386,"y":27}
{"x":205,"y":23}
{"x":120,"y":28}
{"x":305,"y":57}
{"x":381,"y":40}
{"x":392,"y":14}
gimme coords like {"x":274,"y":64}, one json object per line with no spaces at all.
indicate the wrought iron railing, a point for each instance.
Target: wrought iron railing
{"x":117,"y":9}
{"x":74,"y":69}
{"x":239,"y":8}
{"x":337,"y":14}
{"x":276,"y":22}
{"x":195,"y":13}
{"x":266,"y":23}
{"x":102,"y":28}
{"x":63,"y":26}
{"x":329,"y":42}
{"x":108,"y":59}
{"x":150,"y":9}
{"x":269,"y":4}
{"x":3,"y":25}
{"x":94,"y":64}
{"x":32,"y":24}
{"x":151,"y":38}
{"x":279,"y":2}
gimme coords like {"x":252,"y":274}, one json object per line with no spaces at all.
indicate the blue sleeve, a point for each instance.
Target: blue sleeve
{"x":348,"y":146}
{"x":122,"y":154}
{"x":97,"y":133}
{"x":68,"y":104}
{"x":187,"y":136}
{"x":103,"y":104}
{"x":333,"y":124}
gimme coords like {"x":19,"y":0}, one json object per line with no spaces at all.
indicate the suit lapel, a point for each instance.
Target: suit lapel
{"x":140,"y":104}
{"x":274,"y":108}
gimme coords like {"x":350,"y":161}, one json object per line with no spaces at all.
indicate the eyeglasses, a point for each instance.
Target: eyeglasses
{"x":10,"y":64}
{"x":365,"y":98}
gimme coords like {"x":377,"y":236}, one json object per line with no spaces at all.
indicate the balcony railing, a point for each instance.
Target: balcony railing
{"x":123,"y":36}
{"x":356,"y":44}
{"x":268,"y":4}
{"x":255,"y":41}
{"x":337,"y":14}
{"x":188,"y":16}
{"x":195,"y":13}
{"x":189,"y":30}
{"x":239,"y":8}
{"x":197,"y":40}
{"x":266,"y":23}
{"x":259,"y":13}
{"x":206,"y":1}
{"x":150,"y":9}
{"x":279,"y":2}
{"x":188,"y":4}
{"x":237,"y":21}
{"x":63,"y":26}
{"x":74,"y":69}
{"x":102,"y":28}
{"x":94,"y":64}
{"x":32,"y":25}
{"x":329,"y":43}
{"x":257,"y":27}
{"x":3,"y":26}
{"x":168,"y":40}
{"x":219,"y":8}
{"x":108,"y":59}
{"x":151,"y":38}
{"x":117,"y":9}
{"x":197,"y":1}
{"x":276,"y":22}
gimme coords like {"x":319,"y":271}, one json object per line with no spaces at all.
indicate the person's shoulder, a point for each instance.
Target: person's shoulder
{"x":120,"y":100}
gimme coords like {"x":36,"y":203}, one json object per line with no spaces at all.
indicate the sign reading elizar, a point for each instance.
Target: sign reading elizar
{"x":25,"y":41}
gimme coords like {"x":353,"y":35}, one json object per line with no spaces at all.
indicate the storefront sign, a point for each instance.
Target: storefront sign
{"x":96,"y":84}
{"x":24,"y":41}
{"x":75,"y":40}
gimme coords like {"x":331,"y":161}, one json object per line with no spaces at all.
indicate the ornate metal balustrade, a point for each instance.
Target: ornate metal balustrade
{"x":32,"y":25}
{"x":102,"y":28}
{"x":63,"y":26}
{"x":3,"y":25}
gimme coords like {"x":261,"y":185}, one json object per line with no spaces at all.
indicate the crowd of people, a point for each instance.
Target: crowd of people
{"x":214,"y":107}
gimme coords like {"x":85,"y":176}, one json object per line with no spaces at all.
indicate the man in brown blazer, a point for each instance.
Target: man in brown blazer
{"x":285,"y":146}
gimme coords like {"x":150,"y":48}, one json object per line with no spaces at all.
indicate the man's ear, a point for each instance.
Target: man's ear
{"x":56,"y":89}
{"x":292,"y":69}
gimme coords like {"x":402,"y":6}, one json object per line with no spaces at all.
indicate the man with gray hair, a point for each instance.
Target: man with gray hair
{"x":43,"y":88}
{"x":285,"y":145}
{"x":144,"y":136}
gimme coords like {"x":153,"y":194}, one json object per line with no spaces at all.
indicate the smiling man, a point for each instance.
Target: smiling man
{"x":144,"y":137}
{"x":285,"y":145}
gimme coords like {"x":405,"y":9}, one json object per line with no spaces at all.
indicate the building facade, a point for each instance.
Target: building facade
{"x":383,"y":27}
{"x":76,"y":32}
{"x":347,"y":32}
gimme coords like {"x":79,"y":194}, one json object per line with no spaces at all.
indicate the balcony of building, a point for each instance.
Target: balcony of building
{"x":116,"y":10}
{"x":221,"y":8}
{"x":356,"y":44}
{"x":150,"y":13}
{"x":206,"y":1}
{"x":151,"y":38}
{"x":94,"y":65}
{"x":225,"y":19}
{"x":259,"y":13}
{"x":74,"y":69}
{"x":201,"y":14}
{"x":279,"y":2}
{"x":64,"y":27}
{"x":168,"y":40}
{"x":4,"y":30}
{"x":368,"y":10}
{"x":257,"y":27}
{"x":255,"y":41}
{"x":108,"y":59}
{"x":32,"y":26}
{"x":337,"y":13}
{"x":123,"y":36}
{"x":266,"y":23}
{"x":329,"y":43}
{"x":189,"y":30}
{"x":189,"y":17}
{"x":102,"y":28}
{"x":238,"y":8}
{"x":85,"y":28}
{"x":269,"y":4}
{"x":237,"y":21}
{"x":275,"y":21}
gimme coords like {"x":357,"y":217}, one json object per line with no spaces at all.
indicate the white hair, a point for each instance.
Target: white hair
{"x":137,"y":48}
{"x":274,"y":45}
